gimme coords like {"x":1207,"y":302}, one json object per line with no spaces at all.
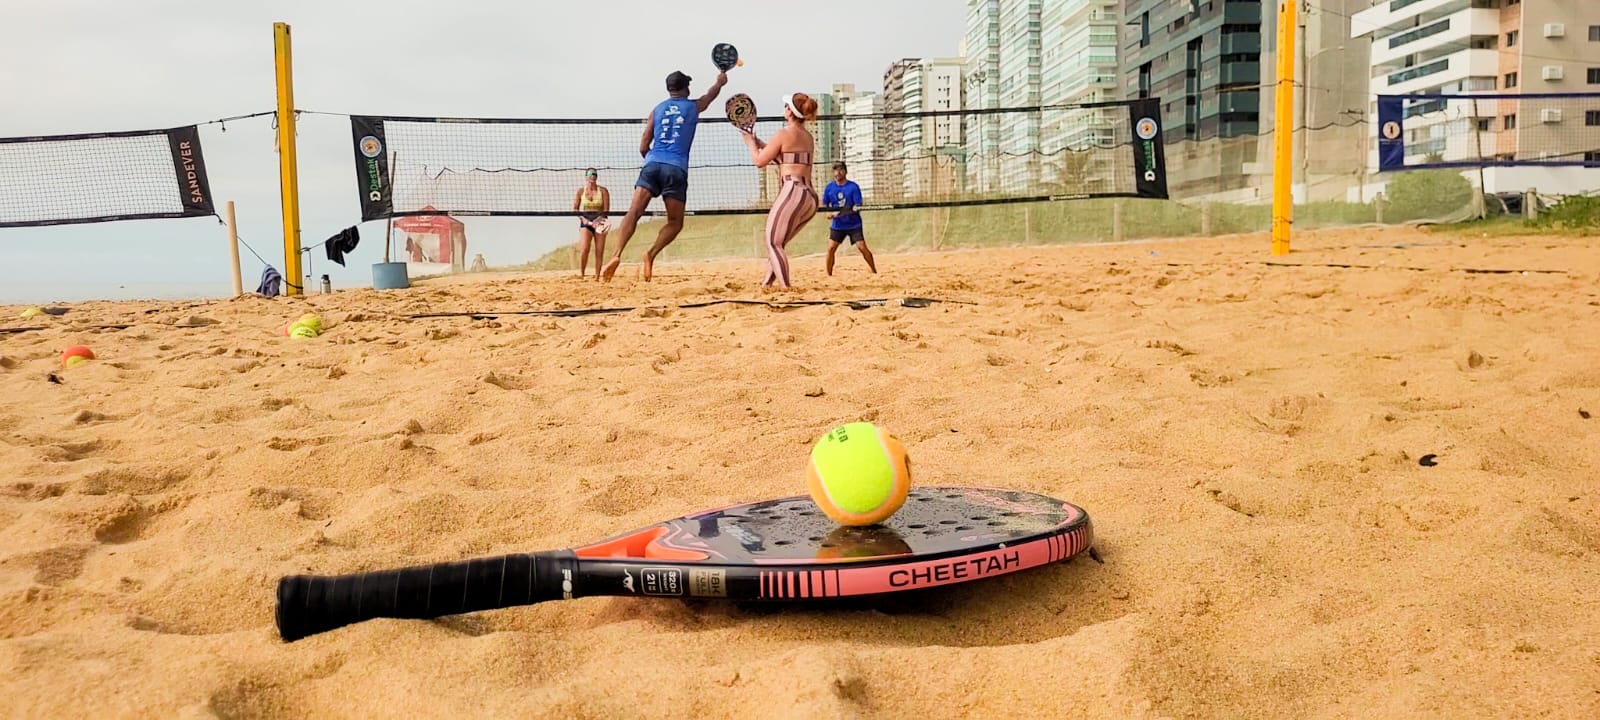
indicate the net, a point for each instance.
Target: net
{"x":417,"y":166}
{"x":100,"y":177}
{"x":1490,"y":130}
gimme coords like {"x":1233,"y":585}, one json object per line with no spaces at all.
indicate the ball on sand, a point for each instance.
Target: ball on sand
{"x":300,"y":332}
{"x":310,"y":320}
{"x":859,"y":474}
{"x":76,"y":354}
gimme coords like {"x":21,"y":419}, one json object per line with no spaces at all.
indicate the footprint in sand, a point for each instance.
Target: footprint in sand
{"x":129,"y":480}
{"x":90,"y":417}
{"x":54,"y":565}
{"x":73,"y":451}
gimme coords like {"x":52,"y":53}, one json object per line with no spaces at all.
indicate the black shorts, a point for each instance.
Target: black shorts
{"x":839,"y":235}
{"x":663,"y":180}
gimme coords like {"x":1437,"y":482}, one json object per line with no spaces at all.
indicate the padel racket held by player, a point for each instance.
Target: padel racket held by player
{"x":741,"y":112}
{"x":725,"y":57}
{"x":776,"y":550}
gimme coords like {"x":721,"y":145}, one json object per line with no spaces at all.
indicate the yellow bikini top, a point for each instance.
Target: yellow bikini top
{"x":592,"y":201}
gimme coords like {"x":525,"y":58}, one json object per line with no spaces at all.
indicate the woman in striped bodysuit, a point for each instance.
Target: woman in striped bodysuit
{"x":797,"y":200}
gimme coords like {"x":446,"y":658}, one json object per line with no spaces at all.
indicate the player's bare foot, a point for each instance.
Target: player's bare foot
{"x":611,"y":269}
{"x":648,"y":269}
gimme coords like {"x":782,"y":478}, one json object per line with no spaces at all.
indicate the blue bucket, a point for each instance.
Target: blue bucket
{"x":390,"y":276}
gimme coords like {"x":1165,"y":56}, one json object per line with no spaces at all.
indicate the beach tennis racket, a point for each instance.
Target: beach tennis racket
{"x":602,"y":225}
{"x":781,"y":550}
{"x":725,"y":57}
{"x":741,"y":112}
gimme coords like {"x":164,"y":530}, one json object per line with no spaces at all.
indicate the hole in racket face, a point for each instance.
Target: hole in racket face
{"x":932,"y":521}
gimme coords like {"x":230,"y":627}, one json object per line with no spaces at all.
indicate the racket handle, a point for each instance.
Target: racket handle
{"x":311,"y":604}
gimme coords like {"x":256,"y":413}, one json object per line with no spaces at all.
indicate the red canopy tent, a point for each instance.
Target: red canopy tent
{"x":434,"y":239}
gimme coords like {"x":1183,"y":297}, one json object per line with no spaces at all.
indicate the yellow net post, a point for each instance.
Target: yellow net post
{"x":1283,"y":130}
{"x":288,"y":171}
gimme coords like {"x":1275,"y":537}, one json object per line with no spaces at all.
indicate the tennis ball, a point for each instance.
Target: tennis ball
{"x":301,"y":331}
{"x":31,"y":312}
{"x":859,"y":474}
{"x":76,"y":354}
{"x":311,"y":321}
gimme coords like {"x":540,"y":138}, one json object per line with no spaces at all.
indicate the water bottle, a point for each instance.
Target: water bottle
{"x":327,"y":286}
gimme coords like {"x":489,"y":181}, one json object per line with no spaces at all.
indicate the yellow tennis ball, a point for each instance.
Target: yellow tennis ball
{"x":859,"y":474}
{"x":301,"y":331}
{"x":311,"y":321}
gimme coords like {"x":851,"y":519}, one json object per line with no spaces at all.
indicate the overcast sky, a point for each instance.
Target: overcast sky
{"x":72,"y":66}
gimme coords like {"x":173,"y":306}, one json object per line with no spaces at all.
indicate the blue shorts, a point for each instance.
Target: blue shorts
{"x":663,"y":180}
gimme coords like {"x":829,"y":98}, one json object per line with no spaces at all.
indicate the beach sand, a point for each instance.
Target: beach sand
{"x":1245,"y":436}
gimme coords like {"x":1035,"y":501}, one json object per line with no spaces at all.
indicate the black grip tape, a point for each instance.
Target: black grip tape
{"x":310,"y":604}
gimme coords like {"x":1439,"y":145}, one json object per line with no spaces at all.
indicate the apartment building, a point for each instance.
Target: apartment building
{"x":1506,"y":47}
{"x":862,"y":138}
{"x":981,"y":50}
{"x":1203,"y":59}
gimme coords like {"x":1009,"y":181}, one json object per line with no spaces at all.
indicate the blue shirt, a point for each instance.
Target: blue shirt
{"x":836,"y":195}
{"x":674,"y":120}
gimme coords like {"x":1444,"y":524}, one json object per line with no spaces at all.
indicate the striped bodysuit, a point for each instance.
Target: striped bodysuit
{"x":795,"y":205}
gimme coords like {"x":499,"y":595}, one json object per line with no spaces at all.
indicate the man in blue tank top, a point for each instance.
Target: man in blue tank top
{"x":668,"y":136}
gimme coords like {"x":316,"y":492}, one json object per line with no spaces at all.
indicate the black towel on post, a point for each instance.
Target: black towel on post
{"x":342,"y":243}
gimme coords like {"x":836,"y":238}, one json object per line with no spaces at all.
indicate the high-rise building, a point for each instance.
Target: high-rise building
{"x":862,"y":138}
{"x":1491,"y":46}
{"x":1202,"y":58}
{"x":891,"y":175}
{"x":981,"y":50}
{"x":1330,"y":103}
{"x":1003,"y":63}
{"x":829,"y":141}
{"x":1078,"y":64}
{"x":930,"y":144}
{"x":1021,"y":60}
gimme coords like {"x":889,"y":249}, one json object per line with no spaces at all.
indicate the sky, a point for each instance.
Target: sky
{"x":77,"y":66}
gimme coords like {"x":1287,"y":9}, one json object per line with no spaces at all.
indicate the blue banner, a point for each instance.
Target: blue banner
{"x":1391,"y":133}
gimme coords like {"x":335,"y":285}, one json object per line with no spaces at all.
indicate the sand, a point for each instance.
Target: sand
{"x":1245,"y":436}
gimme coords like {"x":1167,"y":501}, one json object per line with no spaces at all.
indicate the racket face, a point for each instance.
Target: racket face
{"x":788,"y":549}
{"x":741,"y":111}
{"x":724,"y":56}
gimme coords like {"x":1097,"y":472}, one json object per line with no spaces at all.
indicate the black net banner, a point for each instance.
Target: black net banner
{"x":101,"y":177}
{"x":534,"y":167}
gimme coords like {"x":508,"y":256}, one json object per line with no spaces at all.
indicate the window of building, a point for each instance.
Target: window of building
{"x":1509,"y":122}
{"x":1511,"y":80}
{"x":1594,"y":33}
{"x":1484,"y":125}
{"x":1594,"y":76}
{"x":1592,"y":118}
{"x":1511,"y":38}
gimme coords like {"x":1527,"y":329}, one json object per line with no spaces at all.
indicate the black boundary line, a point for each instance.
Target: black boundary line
{"x":910,"y":302}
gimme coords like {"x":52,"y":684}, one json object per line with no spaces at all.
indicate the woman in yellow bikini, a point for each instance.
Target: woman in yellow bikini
{"x":591,"y":204}
{"x":790,"y":148}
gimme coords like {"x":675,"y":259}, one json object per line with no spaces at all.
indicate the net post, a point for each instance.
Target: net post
{"x":1283,"y":129}
{"x":288,"y":171}
{"x":233,"y":251}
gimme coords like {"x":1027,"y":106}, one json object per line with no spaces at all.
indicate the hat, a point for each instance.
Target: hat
{"x":678,"y":81}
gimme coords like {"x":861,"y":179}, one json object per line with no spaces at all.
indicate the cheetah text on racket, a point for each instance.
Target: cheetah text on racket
{"x":955,"y":570}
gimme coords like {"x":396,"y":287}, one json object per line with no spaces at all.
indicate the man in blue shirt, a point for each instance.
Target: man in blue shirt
{"x":668,"y":135}
{"x":845,"y":193}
